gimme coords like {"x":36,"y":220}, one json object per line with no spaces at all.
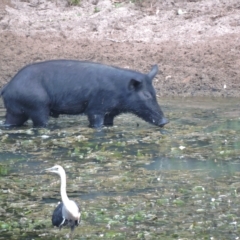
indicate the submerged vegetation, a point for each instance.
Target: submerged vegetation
{"x":132,"y":182}
{"x":74,"y":2}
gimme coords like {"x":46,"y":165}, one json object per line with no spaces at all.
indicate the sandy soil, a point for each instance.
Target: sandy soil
{"x":196,"y":43}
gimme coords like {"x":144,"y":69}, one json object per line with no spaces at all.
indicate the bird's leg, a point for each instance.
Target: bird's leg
{"x":71,"y":233}
{"x":72,"y":229}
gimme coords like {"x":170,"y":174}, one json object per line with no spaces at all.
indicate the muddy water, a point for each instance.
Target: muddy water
{"x":133,"y":181}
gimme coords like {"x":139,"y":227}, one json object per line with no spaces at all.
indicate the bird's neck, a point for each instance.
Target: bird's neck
{"x":64,"y":196}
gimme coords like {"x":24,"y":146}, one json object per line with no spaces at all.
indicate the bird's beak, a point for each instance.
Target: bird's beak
{"x":48,"y":170}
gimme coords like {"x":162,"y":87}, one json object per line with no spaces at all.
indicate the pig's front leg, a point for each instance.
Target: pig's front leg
{"x":96,"y":120}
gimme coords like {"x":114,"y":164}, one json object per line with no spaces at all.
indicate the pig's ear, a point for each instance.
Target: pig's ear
{"x":153,"y":72}
{"x":134,"y":84}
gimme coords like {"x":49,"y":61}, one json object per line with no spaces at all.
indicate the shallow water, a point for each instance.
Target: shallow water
{"x":133,"y":181}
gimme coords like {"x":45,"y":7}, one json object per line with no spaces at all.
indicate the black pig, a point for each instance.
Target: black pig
{"x":101,"y":92}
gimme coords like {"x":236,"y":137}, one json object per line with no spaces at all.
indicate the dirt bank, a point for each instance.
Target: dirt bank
{"x":195,"y":43}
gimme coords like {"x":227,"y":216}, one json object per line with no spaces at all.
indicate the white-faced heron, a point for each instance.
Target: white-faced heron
{"x":67,"y":213}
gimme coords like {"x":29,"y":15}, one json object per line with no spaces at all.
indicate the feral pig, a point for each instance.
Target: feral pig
{"x":101,"y":92}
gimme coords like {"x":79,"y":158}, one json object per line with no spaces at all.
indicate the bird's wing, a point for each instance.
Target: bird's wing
{"x":57,"y":218}
{"x":79,"y":210}
{"x":77,"y":207}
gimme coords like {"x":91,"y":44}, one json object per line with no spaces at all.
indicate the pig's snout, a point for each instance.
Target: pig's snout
{"x":163,"y":122}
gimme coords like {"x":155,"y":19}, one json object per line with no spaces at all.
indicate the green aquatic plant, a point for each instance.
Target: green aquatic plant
{"x":74,"y":2}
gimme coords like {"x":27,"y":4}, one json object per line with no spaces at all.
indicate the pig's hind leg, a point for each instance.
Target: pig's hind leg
{"x":39,"y":109}
{"x":39,"y":117}
{"x":13,"y":119}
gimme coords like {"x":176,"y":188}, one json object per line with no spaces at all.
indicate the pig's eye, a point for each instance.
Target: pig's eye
{"x":147,"y":95}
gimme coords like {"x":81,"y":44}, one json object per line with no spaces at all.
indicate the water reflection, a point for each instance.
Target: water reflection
{"x":217,"y":169}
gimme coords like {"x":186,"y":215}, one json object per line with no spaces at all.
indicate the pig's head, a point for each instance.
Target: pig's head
{"x":142,"y":98}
